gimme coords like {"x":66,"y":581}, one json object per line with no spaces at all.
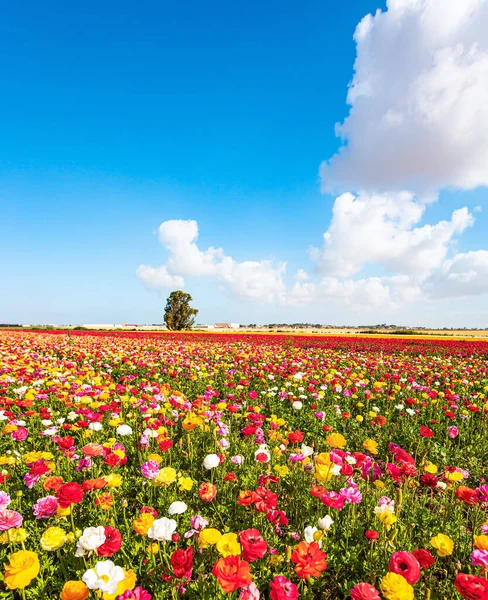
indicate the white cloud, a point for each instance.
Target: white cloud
{"x":378,"y":229}
{"x":158,"y":277}
{"x":419,"y":116}
{"x":465,"y":275}
{"x":260,"y":281}
{"x":301,"y":275}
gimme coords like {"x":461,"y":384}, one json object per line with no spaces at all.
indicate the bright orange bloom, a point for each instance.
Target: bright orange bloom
{"x":309,"y":560}
{"x":232,"y":573}
{"x":466,"y":494}
{"x":52,"y":483}
{"x":143,"y":523}
{"x":104,"y":501}
{"x":94,"y":484}
{"x":246,"y":497}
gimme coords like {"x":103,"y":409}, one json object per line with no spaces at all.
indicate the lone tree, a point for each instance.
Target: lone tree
{"x":178,"y":313}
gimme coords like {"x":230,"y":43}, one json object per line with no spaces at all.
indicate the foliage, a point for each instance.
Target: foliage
{"x":178,"y":314}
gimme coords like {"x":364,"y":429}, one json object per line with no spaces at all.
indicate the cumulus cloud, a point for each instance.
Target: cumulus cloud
{"x":418,"y":116}
{"x":464,"y":275}
{"x":260,"y":281}
{"x":380,"y":229}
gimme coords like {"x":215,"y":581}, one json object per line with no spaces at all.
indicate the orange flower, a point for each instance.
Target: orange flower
{"x":94,"y":484}
{"x":232,"y":573}
{"x":52,"y":483}
{"x":466,"y":494}
{"x":74,"y":590}
{"x":207,"y":491}
{"x":143,"y":523}
{"x":309,"y":560}
{"x":104,"y":501}
{"x":246,"y":497}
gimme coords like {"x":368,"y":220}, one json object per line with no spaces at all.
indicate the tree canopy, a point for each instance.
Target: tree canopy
{"x":178,"y":314}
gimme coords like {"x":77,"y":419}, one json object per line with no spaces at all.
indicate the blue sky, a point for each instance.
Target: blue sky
{"x":117,"y":117}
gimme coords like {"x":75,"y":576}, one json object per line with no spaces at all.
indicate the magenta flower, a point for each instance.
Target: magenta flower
{"x":136,"y":594}
{"x":150,"y":469}
{"x":479,"y":558}
{"x":452,"y":432}
{"x":4,"y":500}
{"x":45,"y":507}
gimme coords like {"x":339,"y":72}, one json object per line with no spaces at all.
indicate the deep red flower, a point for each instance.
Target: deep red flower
{"x":429,"y":480}
{"x":265,"y":500}
{"x":471,"y":587}
{"x":371,"y":534}
{"x":426,"y":431}
{"x":182,"y":562}
{"x":424,"y":557}
{"x":70,"y":493}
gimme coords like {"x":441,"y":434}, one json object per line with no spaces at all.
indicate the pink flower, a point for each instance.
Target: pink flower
{"x":365,"y":591}
{"x":4,"y":500}
{"x":479,"y":558}
{"x":9,"y":519}
{"x":249,"y":592}
{"x":20,"y":434}
{"x":452,"y":432}
{"x":136,"y":594}
{"x":282,"y":588}
{"x":45,"y":507}
{"x":150,"y":469}
{"x":351,"y":495}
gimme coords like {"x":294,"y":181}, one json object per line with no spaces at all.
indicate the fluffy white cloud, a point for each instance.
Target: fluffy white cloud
{"x":379,"y":229}
{"x":260,"y":281}
{"x":419,"y":116}
{"x":464,"y":275}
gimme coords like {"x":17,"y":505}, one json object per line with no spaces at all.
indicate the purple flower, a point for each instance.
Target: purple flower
{"x":479,"y":558}
{"x":150,"y":469}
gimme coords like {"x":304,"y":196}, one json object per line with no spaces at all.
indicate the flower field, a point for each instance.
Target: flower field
{"x":139,"y":466}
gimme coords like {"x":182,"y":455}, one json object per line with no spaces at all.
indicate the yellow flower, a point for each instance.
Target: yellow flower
{"x":371,"y":446}
{"x":396,"y":587}
{"x":275,"y":560}
{"x":53,"y":539}
{"x":23,"y":568}
{"x":443,"y":544}
{"x":323,"y":473}
{"x":430,"y":467}
{"x":113,"y":480}
{"x":387,"y":519}
{"x":153,"y":548}
{"x":323,"y":458}
{"x":143,"y":523}
{"x":454,"y":476}
{"x":191,"y":421}
{"x":282,"y":470}
{"x":228,"y":545}
{"x":185,"y":484}
{"x":128,"y":583}
{"x":379,"y":484}
{"x":63,"y":512}
{"x":481,"y":542}
{"x":165,"y":477}
{"x":336,"y":440}
{"x":208,"y":537}
{"x":15,"y":536}
{"x":74,"y":590}
{"x":359,"y":418}
{"x":156,"y":458}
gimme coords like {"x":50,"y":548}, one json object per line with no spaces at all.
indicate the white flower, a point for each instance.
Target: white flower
{"x":211,"y":461}
{"x":72,"y":416}
{"x":297,"y":405}
{"x":376,"y":409}
{"x":410,"y":411}
{"x":2,"y":416}
{"x":50,"y":431}
{"x":162,"y":529}
{"x":384,"y":508}
{"x":399,"y":407}
{"x":336,"y":469}
{"x":95,"y":426}
{"x":306,"y":450}
{"x":177,"y":508}
{"x":325,"y":523}
{"x":442,"y":485}
{"x":92,"y":538}
{"x":124,"y":430}
{"x":298,"y":376}
{"x":105,"y":576}
{"x":46,"y":422}
{"x":308,"y":535}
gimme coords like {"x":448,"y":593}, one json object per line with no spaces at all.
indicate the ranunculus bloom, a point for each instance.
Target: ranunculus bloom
{"x":371,"y":534}
{"x":74,"y":590}
{"x":424,"y":557}
{"x":232,"y":573}
{"x":70,"y":493}
{"x":404,"y":563}
{"x":253,"y":545}
{"x":365,"y":591}
{"x":466,"y":494}
{"x":23,"y":568}
{"x":207,"y":491}
{"x":281,"y":588}
{"x":471,"y":587}
{"x":309,"y":560}
{"x":137,"y":593}
{"x":443,"y":544}
{"x":45,"y":507}
{"x":112,"y":543}
{"x":10,"y":519}
{"x":182,"y":562}
{"x":396,"y":587}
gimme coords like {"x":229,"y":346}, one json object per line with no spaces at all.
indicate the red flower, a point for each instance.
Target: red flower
{"x":149,"y":509}
{"x":309,"y":560}
{"x":246,"y":498}
{"x":471,"y":587}
{"x":426,"y":431}
{"x":65,"y":443}
{"x":232,"y":573}
{"x":428,"y":480}
{"x":230,"y":477}
{"x":277,"y":517}
{"x":365,"y":591}
{"x":424,"y":557}
{"x":405,"y":564}
{"x":295,"y":437}
{"x":207,"y":491}
{"x":282,"y":589}
{"x":265,"y":500}
{"x":112,"y":543}
{"x":371,"y":534}
{"x":69,"y":493}
{"x":253,"y":545}
{"x":182,"y":563}
{"x":466,"y":494}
